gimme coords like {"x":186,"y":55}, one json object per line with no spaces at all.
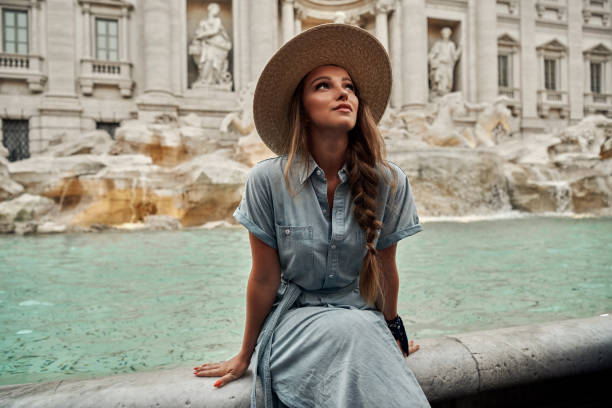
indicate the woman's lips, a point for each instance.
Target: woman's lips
{"x":343,"y":108}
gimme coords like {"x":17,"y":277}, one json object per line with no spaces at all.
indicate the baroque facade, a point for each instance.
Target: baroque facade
{"x":69,"y":66}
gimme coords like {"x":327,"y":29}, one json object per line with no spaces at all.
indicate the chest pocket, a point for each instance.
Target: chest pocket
{"x":295,"y":249}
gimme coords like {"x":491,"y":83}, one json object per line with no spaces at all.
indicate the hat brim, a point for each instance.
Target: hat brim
{"x":352,"y":48}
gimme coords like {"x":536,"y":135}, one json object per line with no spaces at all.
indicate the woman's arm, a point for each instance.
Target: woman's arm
{"x":386,"y":258}
{"x":261,"y":292}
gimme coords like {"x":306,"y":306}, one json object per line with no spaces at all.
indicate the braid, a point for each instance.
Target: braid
{"x":364,"y":154}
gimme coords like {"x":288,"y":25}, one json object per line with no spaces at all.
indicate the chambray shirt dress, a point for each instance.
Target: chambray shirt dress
{"x":322,"y":345}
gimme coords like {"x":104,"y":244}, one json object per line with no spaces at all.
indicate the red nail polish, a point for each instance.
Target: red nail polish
{"x":217,"y":383}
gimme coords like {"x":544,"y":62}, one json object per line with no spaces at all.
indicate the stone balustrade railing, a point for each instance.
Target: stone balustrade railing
{"x":448,"y":368}
{"x":26,"y":67}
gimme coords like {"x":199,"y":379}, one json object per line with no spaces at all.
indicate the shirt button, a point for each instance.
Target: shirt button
{"x":324,"y":211}
{"x":318,"y":172}
{"x":331,"y":276}
{"x":333,"y":246}
{"x":287,"y":232}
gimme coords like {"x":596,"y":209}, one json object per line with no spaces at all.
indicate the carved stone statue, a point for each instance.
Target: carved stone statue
{"x":442,"y":58}
{"x":209,"y":49}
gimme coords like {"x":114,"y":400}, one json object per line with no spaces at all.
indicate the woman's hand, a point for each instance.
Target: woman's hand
{"x":411,"y":347}
{"x":229,"y":370}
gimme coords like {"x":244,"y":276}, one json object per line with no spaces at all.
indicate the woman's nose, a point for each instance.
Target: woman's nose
{"x":343,"y":94}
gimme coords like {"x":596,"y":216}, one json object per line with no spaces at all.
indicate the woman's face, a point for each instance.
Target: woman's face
{"x":329,"y":99}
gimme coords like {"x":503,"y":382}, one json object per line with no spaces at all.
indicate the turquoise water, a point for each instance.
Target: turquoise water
{"x":83,"y":305}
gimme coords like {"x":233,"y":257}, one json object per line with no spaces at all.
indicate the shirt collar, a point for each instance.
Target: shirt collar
{"x":313,"y":166}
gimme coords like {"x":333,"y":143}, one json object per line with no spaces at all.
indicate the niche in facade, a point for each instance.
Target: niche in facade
{"x":445,"y":53}
{"x":210,"y":45}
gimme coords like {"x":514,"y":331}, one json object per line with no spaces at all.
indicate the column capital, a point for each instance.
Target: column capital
{"x":384,"y":6}
{"x":288,"y":1}
{"x":300,"y":13}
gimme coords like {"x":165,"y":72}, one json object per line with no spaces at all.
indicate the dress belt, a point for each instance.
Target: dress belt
{"x":264,"y":347}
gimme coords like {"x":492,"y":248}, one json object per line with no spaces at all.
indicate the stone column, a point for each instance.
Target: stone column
{"x":287,"y":20}
{"x":383,"y":7}
{"x":395,"y":53}
{"x":124,"y":55}
{"x":60,"y":108}
{"x":576,"y":61}
{"x":157,"y":42}
{"x":529,"y":66}
{"x":60,"y":38}
{"x":87,"y":37}
{"x":34,"y":31}
{"x":486,"y":50}
{"x":414,"y":54}
{"x":264,"y":41}
{"x":245,"y":42}
{"x":300,"y":15}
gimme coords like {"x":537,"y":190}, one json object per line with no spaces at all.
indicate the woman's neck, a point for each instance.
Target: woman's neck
{"x":328,"y":149}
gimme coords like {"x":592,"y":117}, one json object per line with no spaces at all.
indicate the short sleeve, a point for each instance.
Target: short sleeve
{"x":256,"y":210}
{"x":400,"y":219}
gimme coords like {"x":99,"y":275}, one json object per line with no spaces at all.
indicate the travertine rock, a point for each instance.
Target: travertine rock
{"x":95,"y":142}
{"x":455,"y":181}
{"x":25,"y":208}
{"x":8,"y":187}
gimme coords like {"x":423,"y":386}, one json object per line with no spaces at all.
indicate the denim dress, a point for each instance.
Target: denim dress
{"x":322,"y":345}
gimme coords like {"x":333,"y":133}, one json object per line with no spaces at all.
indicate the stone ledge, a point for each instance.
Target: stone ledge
{"x":447,"y":368}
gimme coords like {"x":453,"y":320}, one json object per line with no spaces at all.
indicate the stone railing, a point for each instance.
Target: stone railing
{"x":117,"y":73}
{"x":514,"y":95}
{"x":23,"y":67}
{"x":597,"y":103}
{"x":450,"y":368}
{"x":549,"y":99}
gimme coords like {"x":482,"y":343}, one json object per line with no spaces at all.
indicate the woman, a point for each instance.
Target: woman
{"x":324,"y":218}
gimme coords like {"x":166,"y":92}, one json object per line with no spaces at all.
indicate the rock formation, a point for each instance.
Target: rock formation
{"x":175,"y":173}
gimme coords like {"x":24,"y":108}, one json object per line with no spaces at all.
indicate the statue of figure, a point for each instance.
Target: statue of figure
{"x":210,"y":48}
{"x":442,"y":58}
{"x":493,"y":119}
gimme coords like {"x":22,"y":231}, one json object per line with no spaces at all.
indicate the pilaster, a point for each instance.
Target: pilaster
{"x":264,"y":33}
{"x":486,"y":50}
{"x":576,"y":60}
{"x":414,"y":54}
{"x":530,"y":69}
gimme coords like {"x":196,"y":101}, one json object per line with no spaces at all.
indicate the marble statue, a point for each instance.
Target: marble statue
{"x":442,"y":58}
{"x":210,"y":48}
{"x":492,"y":121}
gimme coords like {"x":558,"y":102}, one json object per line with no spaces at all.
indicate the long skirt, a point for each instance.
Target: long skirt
{"x":329,"y":356}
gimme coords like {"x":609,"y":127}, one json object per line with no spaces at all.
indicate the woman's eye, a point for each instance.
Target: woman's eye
{"x":350,"y":86}
{"x":321,"y":85}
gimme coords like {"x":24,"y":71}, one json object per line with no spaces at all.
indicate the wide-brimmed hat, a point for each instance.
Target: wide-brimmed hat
{"x":347,"y":46}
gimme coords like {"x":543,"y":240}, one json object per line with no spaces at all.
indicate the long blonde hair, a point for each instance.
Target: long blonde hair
{"x":364,"y":156}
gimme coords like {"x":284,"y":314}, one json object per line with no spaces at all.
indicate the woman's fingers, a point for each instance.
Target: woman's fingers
{"x":211,"y":372}
{"x":225,"y":379}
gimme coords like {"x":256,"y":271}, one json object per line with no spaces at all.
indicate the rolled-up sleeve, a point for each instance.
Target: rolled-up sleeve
{"x":400,"y":219}
{"x":256,"y":209}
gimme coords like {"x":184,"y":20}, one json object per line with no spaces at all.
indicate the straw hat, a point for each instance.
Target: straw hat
{"x":347,"y":46}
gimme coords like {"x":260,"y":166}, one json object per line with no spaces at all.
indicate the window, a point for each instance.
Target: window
{"x":502,"y":71}
{"x":550,"y":74}
{"x":15,"y":137}
{"x":596,"y":77}
{"x":109,"y":127}
{"x":107,"y":40}
{"x":15,"y":31}
{"x":597,"y":3}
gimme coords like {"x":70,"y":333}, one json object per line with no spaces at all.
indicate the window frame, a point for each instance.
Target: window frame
{"x":554,"y":81}
{"x":106,"y":36}
{"x":16,"y":42}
